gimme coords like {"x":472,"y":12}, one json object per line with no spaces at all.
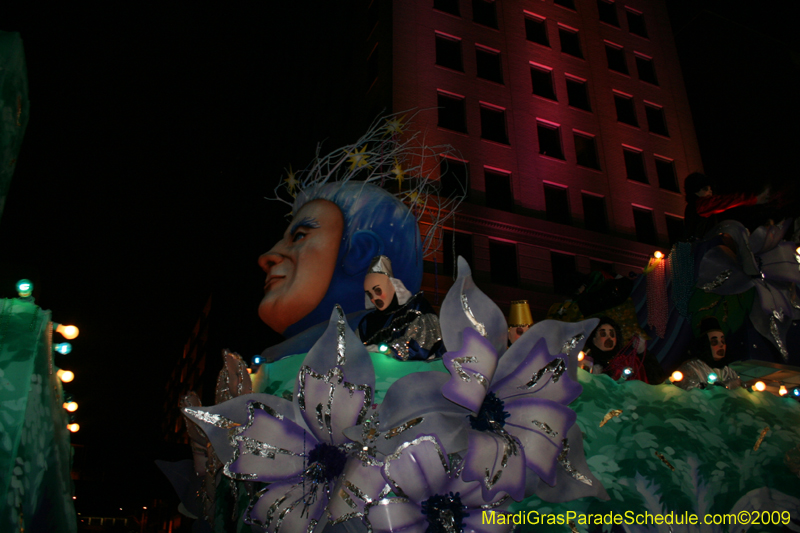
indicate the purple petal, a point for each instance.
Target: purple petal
{"x":328,"y":404}
{"x":558,"y":336}
{"x":269,"y":448}
{"x":498,"y":463}
{"x":358,"y":487}
{"x":289,"y":506}
{"x":471,"y":370}
{"x":466,"y":306}
{"x":418,"y":469}
{"x":542,"y":375}
{"x":339,"y":346}
{"x":541,"y":426}
{"x":218,"y":420}
{"x":396,"y":515}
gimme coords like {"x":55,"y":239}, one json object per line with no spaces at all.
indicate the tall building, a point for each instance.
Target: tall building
{"x":573,"y":125}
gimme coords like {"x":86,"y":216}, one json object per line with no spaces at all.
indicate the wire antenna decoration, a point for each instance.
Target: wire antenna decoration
{"x":393,"y":156}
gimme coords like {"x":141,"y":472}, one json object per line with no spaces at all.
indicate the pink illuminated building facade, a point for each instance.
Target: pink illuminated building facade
{"x":573,"y":125}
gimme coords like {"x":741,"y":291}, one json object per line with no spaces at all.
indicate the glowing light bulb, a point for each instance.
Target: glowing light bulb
{"x":782,"y":391}
{"x":68,"y":332}
{"x":63,"y":348}
{"x":383,"y":348}
{"x":24,"y":288}
{"x":581,"y":356}
{"x":65,"y":375}
{"x":71,"y":406}
{"x":249,"y":370}
{"x":677,"y":375}
{"x":256,"y":359}
{"x":712,"y":378}
{"x":74,"y":427}
{"x":658,"y":255}
{"x":760,"y":386}
{"x":796,"y":392}
{"x":627,"y":371}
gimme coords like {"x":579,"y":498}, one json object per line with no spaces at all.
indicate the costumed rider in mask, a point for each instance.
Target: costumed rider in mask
{"x":708,"y":349}
{"x":520,"y":320}
{"x":402,"y":324}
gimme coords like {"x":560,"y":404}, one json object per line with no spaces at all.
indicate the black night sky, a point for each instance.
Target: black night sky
{"x":155,"y":133}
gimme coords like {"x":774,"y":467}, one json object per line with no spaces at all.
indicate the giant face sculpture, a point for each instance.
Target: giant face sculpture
{"x":300,"y":266}
{"x":323,"y":257}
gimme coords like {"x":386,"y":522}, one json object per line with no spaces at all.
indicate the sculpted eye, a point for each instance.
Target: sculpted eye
{"x":299,"y":236}
{"x":378,"y":291}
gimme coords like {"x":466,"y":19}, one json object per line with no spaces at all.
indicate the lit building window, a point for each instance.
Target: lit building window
{"x":448,"y":52}
{"x":570,"y":41}
{"x":549,"y":139}
{"x":626,"y":113}
{"x":665,"y":169}
{"x":542,"y":81}
{"x":646,"y":69}
{"x":578,"y":93}
{"x":499,"y":194}
{"x":563,"y":266}
{"x":536,"y":29}
{"x":453,"y":177}
{"x":556,"y":201}
{"x":484,"y":12}
{"x":488,"y":63}
{"x":656,"y":122}
{"x":595,"y":217}
{"x":586,"y":150}
{"x":493,"y":124}
{"x":636,"y":23}
{"x":645,"y":227}
{"x":675,"y":228}
{"x":452,"y":114}
{"x":634,"y":165}
{"x":616,"y":58}
{"x":503,"y":263}
{"x":607,"y":12}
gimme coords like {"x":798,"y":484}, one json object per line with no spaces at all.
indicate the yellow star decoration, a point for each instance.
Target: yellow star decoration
{"x":291,"y":181}
{"x":359,"y":159}
{"x":399,"y":175}
{"x":395,"y":125}
{"x":415,"y":198}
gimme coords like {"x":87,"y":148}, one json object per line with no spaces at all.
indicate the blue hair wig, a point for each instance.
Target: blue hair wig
{"x":375,"y":223}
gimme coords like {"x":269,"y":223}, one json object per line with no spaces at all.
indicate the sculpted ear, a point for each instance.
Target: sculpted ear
{"x":363,"y":246}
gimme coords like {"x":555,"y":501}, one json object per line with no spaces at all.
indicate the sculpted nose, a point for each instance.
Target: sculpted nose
{"x":269,"y":259}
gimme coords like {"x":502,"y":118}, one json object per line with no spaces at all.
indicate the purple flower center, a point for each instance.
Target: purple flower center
{"x":445,"y":513}
{"x":326,"y":462}
{"x":491,"y":415}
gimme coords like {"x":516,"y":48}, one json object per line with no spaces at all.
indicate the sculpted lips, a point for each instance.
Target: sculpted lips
{"x":271,"y":280}
{"x":608,"y":343}
{"x":379,"y":304}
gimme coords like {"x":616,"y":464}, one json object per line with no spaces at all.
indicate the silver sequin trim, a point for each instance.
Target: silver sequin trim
{"x":547,"y":430}
{"x":572,"y":343}
{"x":557,"y":367}
{"x":773,"y":329}
{"x":333,"y":377}
{"x":403,"y":427}
{"x":721,"y":278}
{"x":402,"y":447}
{"x":474,"y":321}
{"x":465,"y":377}
{"x":567,"y":465}
{"x":340,"y":331}
{"x":211,"y":418}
